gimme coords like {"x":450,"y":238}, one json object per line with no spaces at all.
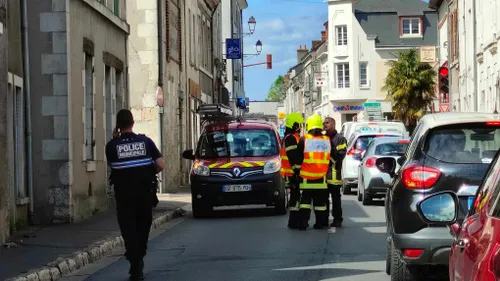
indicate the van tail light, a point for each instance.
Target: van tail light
{"x":419,"y":177}
{"x":353,"y":151}
{"x":412,"y":253}
{"x":371,"y":162}
{"x":493,"y":123}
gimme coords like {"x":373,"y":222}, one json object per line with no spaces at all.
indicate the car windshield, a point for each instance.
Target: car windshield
{"x":238,"y":143}
{"x":391,"y":149}
{"x":363,"y":141}
{"x":465,"y":144}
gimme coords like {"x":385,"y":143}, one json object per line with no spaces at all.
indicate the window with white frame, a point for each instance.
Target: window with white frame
{"x":342,"y":75}
{"x":411,"y":26}
{"x":15,"y":90}
{"x":341,"y":32}
{"x":363,"y":74}
{"x":89,"y":120}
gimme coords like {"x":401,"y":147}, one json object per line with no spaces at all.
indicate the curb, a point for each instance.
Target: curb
{"x":64,"y":266}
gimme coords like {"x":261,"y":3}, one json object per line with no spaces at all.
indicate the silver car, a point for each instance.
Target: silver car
{"x":371,"y":182}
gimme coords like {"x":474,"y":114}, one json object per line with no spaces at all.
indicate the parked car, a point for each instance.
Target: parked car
{"x":371,"y":182}
{"x":396,"y":127}
{"x":475,"y":251}
{"x":350,"y":165}
{"x":447,"y":152}
{"x":237,"y":162}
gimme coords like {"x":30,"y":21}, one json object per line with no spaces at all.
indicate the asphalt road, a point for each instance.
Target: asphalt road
{"x":256,"y":245}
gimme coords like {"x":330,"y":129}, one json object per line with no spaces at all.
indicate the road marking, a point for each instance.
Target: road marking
{"x":368,"y":265}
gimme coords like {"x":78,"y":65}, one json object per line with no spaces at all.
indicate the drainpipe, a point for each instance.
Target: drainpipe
{"x":474,"y":49}
{"x":160,"y":77}
{"x":450,"y":73}
{"x":26,"y":79}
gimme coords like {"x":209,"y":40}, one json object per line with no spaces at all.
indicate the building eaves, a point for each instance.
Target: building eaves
{"x":435,"y":4}
{"x":401,"y":7}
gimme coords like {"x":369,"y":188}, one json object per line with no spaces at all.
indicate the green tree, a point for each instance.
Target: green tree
{"x":410,"y":85}
{"x":277,"y":90}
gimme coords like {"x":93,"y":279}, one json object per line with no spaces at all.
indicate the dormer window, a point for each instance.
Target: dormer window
{"x":411,"y":27}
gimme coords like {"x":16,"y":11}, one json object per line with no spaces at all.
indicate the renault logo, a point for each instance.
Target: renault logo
{"x":236,"y":172}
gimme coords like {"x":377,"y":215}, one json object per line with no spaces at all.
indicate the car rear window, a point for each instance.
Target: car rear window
{"x":238,"y":143}
{"x":363,"y":141}
{"x":465,"y":144}
{"x":391,"y":149}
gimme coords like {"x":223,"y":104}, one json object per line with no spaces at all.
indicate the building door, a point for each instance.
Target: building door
{"x":110,"y":108}
{"x":348,"y":117}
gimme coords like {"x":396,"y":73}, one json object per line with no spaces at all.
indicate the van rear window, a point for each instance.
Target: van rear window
{"x":464,"y":144}
{"x":237,"y":143}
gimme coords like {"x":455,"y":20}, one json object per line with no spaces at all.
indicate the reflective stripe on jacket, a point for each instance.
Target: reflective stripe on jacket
{"x":286,"y":168}
{"x":316,"y":157}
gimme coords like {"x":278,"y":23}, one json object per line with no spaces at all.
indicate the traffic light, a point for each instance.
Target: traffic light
{"x":269,"y":61}
{"x":444,"y":83}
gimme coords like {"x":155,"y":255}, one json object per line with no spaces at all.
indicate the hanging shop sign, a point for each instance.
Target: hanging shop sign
{"x":348,"y":108}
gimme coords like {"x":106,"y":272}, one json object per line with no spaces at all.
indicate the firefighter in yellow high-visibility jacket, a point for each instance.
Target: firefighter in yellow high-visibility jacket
{"x":290,"y":163}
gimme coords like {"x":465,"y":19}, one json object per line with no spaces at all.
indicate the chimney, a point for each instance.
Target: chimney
{"x":324,"y":35}
{"x":301,"y":52}
{"x":316,"y":43}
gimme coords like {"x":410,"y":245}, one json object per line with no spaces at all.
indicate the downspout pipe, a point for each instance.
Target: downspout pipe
{"x":450,"y":73}
{"x":159,"y":14}
{"x":474,"y":49}
{"x":27,"y":100}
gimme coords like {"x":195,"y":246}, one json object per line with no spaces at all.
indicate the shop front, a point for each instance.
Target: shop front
{"x":346,"y":112}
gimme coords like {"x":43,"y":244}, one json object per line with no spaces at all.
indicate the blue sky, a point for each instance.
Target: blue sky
{"x":282,"y":25}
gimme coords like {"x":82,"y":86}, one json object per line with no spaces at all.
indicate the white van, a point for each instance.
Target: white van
{"x":376,"y":127}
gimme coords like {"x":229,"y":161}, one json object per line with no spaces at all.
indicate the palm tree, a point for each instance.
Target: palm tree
{"x":410,"y":85}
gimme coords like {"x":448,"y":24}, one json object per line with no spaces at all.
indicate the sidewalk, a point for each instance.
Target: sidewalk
{"x":45,"y":253}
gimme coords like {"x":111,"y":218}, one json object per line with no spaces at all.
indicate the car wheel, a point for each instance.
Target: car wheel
{"x":400,"y":271}
{"x":281,"y":204}
{"x":388,"y":257}
{"x":360,"y":196}
{"x":346,"y":189}
{"x":367,"y":199}
{"x":200,"y":209}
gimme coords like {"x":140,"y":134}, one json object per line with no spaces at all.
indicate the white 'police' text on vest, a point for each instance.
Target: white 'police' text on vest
{"x":129,"y":150}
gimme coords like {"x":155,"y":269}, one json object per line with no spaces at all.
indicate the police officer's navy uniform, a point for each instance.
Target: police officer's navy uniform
{"x":133,"y":174}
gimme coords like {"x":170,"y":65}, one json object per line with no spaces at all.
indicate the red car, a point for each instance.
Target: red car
{"x":475,"y":252}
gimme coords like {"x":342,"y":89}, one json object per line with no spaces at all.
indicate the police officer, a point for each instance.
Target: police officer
{"x":315,"y":149}
{"x":290,"y":167}
{"x":134,"y":160}
{"x":334,"y":176}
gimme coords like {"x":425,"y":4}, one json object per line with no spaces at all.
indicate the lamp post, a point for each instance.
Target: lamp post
{"x":258,"y":46}
{"x":251,"y":24}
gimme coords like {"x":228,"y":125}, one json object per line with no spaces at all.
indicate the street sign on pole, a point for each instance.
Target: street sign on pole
{"x":444,"y":107}
{"x":233,"y":48}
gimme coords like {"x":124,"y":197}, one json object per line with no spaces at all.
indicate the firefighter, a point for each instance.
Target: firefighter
{"x":334,"y":176}
{"x":290,"y":163}
{"x":315,"y":149}
{"x":134,"y":160}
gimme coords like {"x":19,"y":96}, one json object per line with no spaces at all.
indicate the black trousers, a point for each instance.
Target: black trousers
{"x":334,"y":191}
{"x":135,"y":215}
{"x":317,"y":199}
{"x":293,"y":219}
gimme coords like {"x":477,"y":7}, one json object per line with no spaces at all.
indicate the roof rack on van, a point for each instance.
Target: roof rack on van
{"x":211,"y":113}
{"x":370,"y":119}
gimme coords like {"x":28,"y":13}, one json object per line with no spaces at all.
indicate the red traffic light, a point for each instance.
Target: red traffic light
{"x":269,"y":61}
{"x":443,"y":71}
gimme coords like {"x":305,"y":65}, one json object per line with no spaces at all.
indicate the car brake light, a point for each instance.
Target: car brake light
{"x":353,"y":151}
{"x":495,"y":262}
{"x":371,"y":162}
{"x":417,"y":177}
{"x":404,"y":141}
{"x":380,"y":135}
{"x":493,"y":123}
{"x":413,"y":253}
{"x":373,"y":123}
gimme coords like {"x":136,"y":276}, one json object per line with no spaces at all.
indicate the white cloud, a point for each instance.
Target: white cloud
{"x":273,"y":25}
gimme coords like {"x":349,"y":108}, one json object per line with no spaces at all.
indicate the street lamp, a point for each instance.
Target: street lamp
{"x":251,"y":24}
{"x":258,"y":46}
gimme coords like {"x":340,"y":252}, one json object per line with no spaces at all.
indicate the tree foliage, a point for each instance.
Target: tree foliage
{"x":277,"y":90}
{"x":410,"y":85}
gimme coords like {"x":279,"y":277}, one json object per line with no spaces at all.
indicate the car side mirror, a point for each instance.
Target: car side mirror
{"x":401,"y":160}
{"x":386,"y":165}
{"x":188,"y":154}
{"x":440,"y":208}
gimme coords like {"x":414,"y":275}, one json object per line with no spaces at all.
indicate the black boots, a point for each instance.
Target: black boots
{"x":136,"y":270}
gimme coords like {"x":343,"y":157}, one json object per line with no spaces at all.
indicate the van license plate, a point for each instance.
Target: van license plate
{"x":470,"y":201}
{"x":237,"y":188}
